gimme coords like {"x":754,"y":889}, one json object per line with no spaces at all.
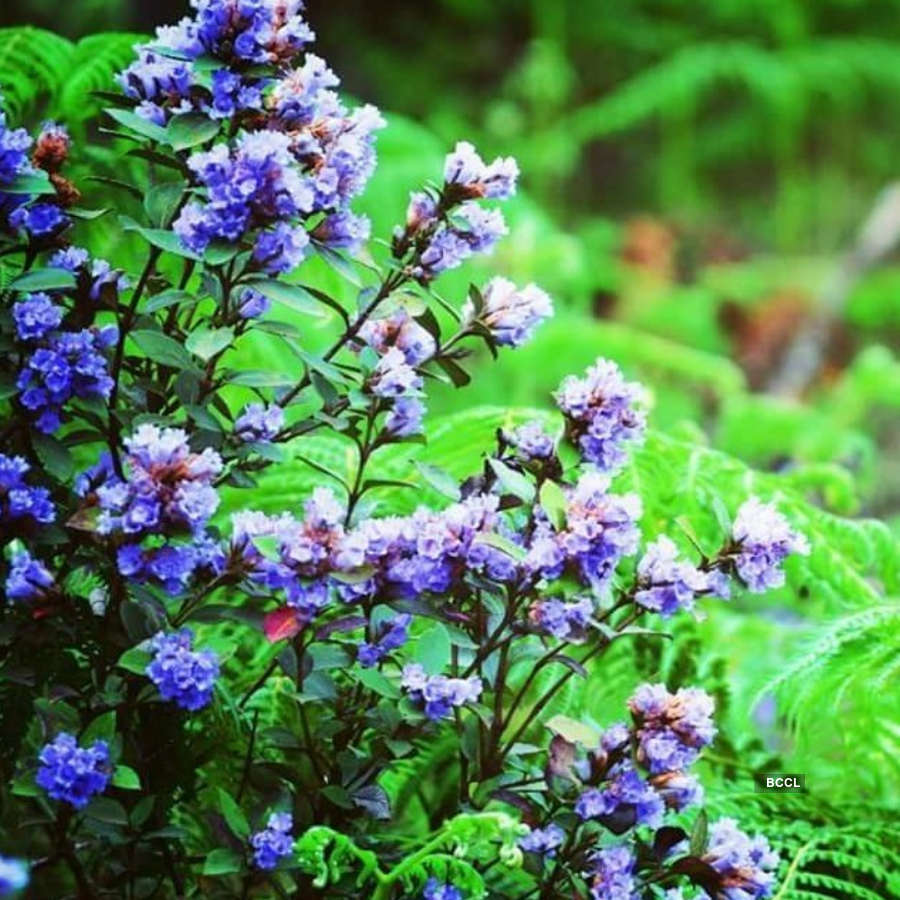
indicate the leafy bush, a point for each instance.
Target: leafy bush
{"x":375,"y":690}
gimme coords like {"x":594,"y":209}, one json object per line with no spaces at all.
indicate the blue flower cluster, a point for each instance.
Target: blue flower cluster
{"x":603,"y":414}
{"x":13,"y":876}
{"x":671,"y":729}
{"x":97,"y":277}
{"x":667,"y":584}
{"x":71,"y":773}
{"x":168,"y":492}
{"x":444,"y":229}
{"x":28,"y":578}
{"x":69,"y":364}
{"x":531,"y":441}
{"x":747,"y":865}
{"x":391,"y":634}
{"x":180,"y":673}
{"x":439,"y":890}
{"x":35,"y":316}
{"x":438,"y":694}
{"x":612,"y":874}
{"x":567,"y":621}
{"x":624,"y":789}
{"x":510,"y":314}
{"x":39,"y":218}
{"x":274,"y":842}
{"x":301,"y":154}
{"x":259,"y":423}
{"x":543,"y":841}
{"x":763,"y":539}
{"x":19,"y":502}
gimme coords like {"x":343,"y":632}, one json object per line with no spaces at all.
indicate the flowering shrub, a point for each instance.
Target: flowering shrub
{"x":153,"y":759}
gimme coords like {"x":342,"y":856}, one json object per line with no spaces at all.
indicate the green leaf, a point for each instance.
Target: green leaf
{"x":207,"y":342}
{"x":37,"y":183}
{"x":375,"y":681}
{"x":134,"y":122}
{"x":700,"y":834}
{"x":234,"y":816}
{"x":443,"y":482}
{"x":190,"y":129}
{"x":291,"y":295}
{"x":161,"y":201}
{"x":102,"y":728}
{"x":54,"y":455}
{"x":166,"y":299}
{"x":432,"y":649}
{"x":553,"y":502}
{"x":134,"y":660}
{"x":159,"y":237}
{"x":162,"y":349}
{"x":126,"y":778}
{"x":513,"y":482}
{"x":222,"y":861}
{"x":48,"y":279}
{"x":504,"y":545}
{"x":105,"y":809}
{"x":573,"y":731}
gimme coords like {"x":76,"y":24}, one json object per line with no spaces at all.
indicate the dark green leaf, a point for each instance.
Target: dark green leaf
{"x":48,"y":279}
{"x":443,"y":482}
{"x":291,"y":295}
{"x":222,"y":861}
{"x":54,"y":455}
{"x":207,"y":342}
{"x":190,"y":129}
{"x":234,"y":816}
{"x":135,"y":123}
{"x":162,"y":349}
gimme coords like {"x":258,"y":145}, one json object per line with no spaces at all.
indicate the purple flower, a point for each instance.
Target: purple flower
{"x":170,"y":565}
{"x":531,"y":441}
{"x":611,"y":874}
{"x":160,"y":83}
{"x":602,"y":414}
{"x":746,"y":864}
{"x":467,"y":173}
{"x":391,"y":635}
{"x":259,"y":423}
{"x":473,"y":230}
{"x":274,"y":842}
{"x":671,"y":728}
{"x":343,"y":231}
{"x":625,"y":794}
{"x":666,"y":583}
{"x":437,"y":693}
{"x":14,"y":146}
{"x":399,"y":330}
{"x":39,"y":219}
{"x":405,"y":417}
{"x":28,"y":578}
{"x":72,"y":365}
{"x":566,"y":621}
{"x":510,"y":314}
{"x":281,"y":249}
{"x":18,"y":500}
{"x":393,"y":376}
{"x":544,"y":841}
{"x":180,"y":673}
{"x":35,"y":316}
{"x":70,"y":258}
{"x":71,"y":773}
{"x":253,"y":304}
{"x":13,"y":876}
{"x":764,"y":538}
{"x":599,"y":529}
{"x":678,"y":789}
{"x":297,"y":98}
{"x":168,"y":487}
{"x":437,"y":890}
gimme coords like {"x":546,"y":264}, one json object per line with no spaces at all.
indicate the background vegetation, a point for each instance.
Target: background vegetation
{"x":696,"y":176}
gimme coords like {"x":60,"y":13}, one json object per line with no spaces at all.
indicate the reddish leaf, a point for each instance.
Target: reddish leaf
{"x":282,"y":624}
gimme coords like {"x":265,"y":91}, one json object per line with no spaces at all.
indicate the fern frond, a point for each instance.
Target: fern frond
{"x":33,"y":63}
